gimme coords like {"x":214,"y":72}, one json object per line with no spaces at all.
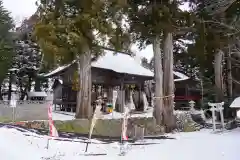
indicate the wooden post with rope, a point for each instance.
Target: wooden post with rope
{"x":94,"y":121}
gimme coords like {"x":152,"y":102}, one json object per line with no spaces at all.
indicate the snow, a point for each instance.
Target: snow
{"x":117,"y":115}
{"x":60,"y":81}
{"x":63,"y":116}
{"x":199,"y":145}
{"x":120,"y":63}
{"x":181,"y":76}
{"x":235,"y":103}
{"x":37,"y":94}
{"x":59,"y":69}
{"x":238,"y":114}
{"x":13,"y":69}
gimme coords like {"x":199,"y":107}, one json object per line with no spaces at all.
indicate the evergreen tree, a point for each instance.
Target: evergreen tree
{"x":6,"y":43}
{"x":80,"y":30}
{"x":160,"y":23}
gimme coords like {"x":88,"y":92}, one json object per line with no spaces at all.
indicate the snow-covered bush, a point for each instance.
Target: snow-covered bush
{"x":185,"y":122}
{"x":198,"y":116}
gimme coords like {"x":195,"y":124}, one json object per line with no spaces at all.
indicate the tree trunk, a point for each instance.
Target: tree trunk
{"x":168,"y":83}
{"x":1,"y":98}
{"x":158,"y":70}
{"x":29,"y":84}
{"x":23,"y":90}
{"x":229,"y":112}
{"x":10,"y":86}
{"x":37,"y":86}
{"x":84,"y":108}
{"x":218,"y":72}
{"x":229,"y":76}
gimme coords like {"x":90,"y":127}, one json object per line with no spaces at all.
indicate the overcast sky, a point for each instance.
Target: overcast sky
{"x":20,"y":9}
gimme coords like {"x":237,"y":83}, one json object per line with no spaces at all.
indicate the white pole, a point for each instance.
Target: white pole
{"x":14,"y":113}
{"x":214,"y":118}
{"x":221,"y":114}
{"x":13,"y":104}
{"x":213,"y":115}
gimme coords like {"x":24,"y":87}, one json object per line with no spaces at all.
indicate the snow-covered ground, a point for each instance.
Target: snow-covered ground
{"x":60,"y":115}
{"x":202,"y":145}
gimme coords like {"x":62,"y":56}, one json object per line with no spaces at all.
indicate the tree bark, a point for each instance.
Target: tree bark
{"x":1,"y":98}
{"x":218,"y":72}
{"x":37,"y":86}
{"x":158,"y":70}
{"x":29,"y":84}
{"x":23,"y":90}
{"x":168,"y":83}
{"x":10,"y":86}
{"x":229,"y":76}
{"x":84,"y":108}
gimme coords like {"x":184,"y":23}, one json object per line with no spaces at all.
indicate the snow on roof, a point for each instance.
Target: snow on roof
{"x":59,"y":69}
{"x":181,"y":76}
{"x":121,"y":63}
{"x":37,"y":94}
{"x":235,"y":103}
{"x":61,"y":81}
{"x":13,"y":69}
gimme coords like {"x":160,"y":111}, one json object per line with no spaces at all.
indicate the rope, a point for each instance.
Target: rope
{"x":171,"y":95}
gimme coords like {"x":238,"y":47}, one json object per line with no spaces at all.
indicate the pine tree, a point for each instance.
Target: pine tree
{"x":6,"y":43}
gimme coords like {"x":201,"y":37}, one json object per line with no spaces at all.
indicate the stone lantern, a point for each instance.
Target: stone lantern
{"x":192,"y":105}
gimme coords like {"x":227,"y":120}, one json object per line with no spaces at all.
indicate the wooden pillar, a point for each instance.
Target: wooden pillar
{"x":122,"y":99}
{"x":120,"y":102}
{"x":139,"y":95}
{"x":127,"y":94}
{"x":98,"y":90}
{"x":110,"y":94}
{"x":65,"y":87}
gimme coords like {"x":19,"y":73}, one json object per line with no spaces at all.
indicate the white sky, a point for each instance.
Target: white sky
{"x":21,"y":9}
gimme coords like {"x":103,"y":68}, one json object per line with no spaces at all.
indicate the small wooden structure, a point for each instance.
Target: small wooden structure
{"x":108,"y":72}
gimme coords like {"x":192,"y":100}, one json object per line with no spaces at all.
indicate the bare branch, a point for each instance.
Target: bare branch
{"x":181,"y":31}
{"x":221,"y":24}
{"x":218,"y":7}
{"x":184,"y":30}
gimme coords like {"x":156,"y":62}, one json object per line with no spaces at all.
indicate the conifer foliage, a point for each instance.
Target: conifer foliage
{"x":6,"y":43}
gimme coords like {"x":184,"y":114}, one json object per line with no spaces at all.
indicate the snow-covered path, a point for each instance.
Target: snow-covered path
{"x":202,"y":145}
